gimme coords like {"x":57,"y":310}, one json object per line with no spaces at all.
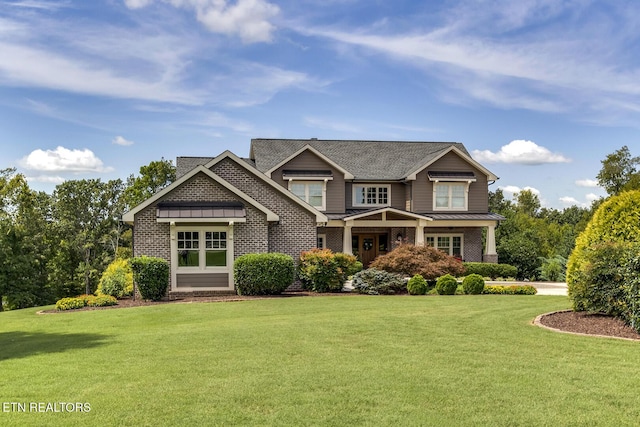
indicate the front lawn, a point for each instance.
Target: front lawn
{"x":358,"y":360}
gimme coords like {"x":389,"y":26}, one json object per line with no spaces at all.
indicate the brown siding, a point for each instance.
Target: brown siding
{"x":397,"y":196}
{"x":451,"y":162}
{"x":309,"y":161}
{"x":202,"y":280}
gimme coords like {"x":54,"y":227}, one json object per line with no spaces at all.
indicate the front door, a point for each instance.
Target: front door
{"x":368,"y":246}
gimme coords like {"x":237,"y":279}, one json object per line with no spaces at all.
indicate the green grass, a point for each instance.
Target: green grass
{"x":464,"y":360}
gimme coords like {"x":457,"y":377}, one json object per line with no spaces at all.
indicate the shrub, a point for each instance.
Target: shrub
{"x":117,"y":279}
{"x":409,"y":260}
{"x":510,"y":290}
{"x":417,"y":285}
{"x":599,"y":286}
{"x":553,"y":269}
{"x":263,"y":274}
{"x":69,"y":303}
{"x":378,"y":282}
{"x":446,"y":285}
{"x":616,"y":220}
{"x":320,"y":270}
{"x":490,"y":270}
{"x":102,"y":301}
{"x":151,"y":275}
{"x":473,"y":284}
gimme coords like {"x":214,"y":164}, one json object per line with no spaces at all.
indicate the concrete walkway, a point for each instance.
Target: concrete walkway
{"x":544,"y":288}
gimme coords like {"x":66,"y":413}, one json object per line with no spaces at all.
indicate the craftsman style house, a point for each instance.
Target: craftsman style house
{"x":359,"y":197}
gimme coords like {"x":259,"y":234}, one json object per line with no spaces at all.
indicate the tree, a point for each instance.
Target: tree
{"x":619,"y":172}
{"x":153,"y":177}
{"x":528,"y":203}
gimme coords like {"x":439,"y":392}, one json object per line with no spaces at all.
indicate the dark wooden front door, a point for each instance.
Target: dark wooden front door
{"x":368,"y":246}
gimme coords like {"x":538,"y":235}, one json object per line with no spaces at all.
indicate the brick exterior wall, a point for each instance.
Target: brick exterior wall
{"x":472,"y":241}
{"x":296,"y":230}
{"x":153,"y":238}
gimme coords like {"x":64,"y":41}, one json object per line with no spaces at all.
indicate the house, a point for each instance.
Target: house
{"x":290,"y":195}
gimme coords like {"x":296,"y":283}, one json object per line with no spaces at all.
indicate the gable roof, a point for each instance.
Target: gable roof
{"x":129,"y":217}
{"x":320,"y":217}
{"x":364,"y":160}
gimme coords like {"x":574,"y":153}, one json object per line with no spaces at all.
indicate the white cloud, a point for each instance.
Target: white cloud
{"x":520,"y":152}
{"x":48,"y":179}
{"x":248,"y":19}
{"x":570,"y":201}
{"x":119,"y":140}
{"x":590,"y":183}
{"x":35,"y":4}
{"x":513,"y":189}
{"x":64,"y":160}
{"x":592,"y":197}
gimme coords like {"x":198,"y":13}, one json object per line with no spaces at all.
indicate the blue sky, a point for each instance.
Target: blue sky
{"x":539,"y":91}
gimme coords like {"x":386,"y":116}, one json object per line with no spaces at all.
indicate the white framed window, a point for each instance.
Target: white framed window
{"x":312,"y":192}
{"x":322,"y":241}
{"x":451,"y":244}
{"x":450,"y":196}
{"x":202,"y":248}
{"x":371,"y":195}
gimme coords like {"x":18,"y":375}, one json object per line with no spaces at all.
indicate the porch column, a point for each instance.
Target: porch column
{"x":346,"y":238}
{"x":490,"y":254}
{"x":419,"y":232}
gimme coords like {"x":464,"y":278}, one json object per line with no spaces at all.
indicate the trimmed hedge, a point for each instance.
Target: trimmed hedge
{"x":473,"y":284}
{"x":510,"y":290}
{"x":151,"y":274}
{"x":378,"y":282}
{"x":446,"y":285}
{"x":263,"y":274}
{"x":493,"y":271}
{"x":417,"y":285}
{"x":85,"y":301}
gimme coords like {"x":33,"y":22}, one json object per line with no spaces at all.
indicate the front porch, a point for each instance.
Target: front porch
{"x":368,"y":234}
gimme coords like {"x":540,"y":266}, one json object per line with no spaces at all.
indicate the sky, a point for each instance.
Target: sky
{"x":539,"y":91}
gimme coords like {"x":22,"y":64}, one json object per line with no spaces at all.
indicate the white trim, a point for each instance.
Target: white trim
{"x":490,"y":175}
{"x":129,"y":217}
{"x":324,"y":241}
{"x":205,"y":220}
{"x":202,"y":268}
{"x":450,"y":185}
{"x":320,"y":217}
{"x":308,"y":178}
{"x":384,"y":210}
{"x":369,"y":185}
{"x":306,"y":186}
{"x":347,"y":174}
{"x":451,"y":235}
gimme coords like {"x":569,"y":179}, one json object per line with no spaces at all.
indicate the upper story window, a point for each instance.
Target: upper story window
{"x":312,"y":192}
{"x":371,"y":195}
{"x":450,"y":196}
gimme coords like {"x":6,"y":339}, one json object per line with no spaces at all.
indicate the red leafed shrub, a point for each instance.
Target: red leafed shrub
{"x":409,"y":260}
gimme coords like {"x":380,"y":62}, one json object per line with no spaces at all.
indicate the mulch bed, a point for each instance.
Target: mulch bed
{"x":589,"y":324}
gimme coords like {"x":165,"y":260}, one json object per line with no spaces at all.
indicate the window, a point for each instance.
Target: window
{"x":312,"y":192}
{"x":322,"y":241}
{"x":450,"y":244}
{"x":202,"y":248}
{"x":450,"y":196}
{"x":365,"y":195}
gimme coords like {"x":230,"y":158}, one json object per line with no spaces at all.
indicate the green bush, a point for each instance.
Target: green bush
{"x":151,"y":275}
{"x":490,"y":270}
{"x":510,"y":290}
{"x":321,"y":270}
{"x":378,"y":282}
{"x":446,"y":285}
{"x":69,"y":303}
{"x":409,"y":260}
{"x":417,"y":285}
{"x":473,"y":284}
{"x":263,"y":274}
{"x":553,"y":269}
{"x":102,"y":301}
{"x":616,"y":220}
{"x":117,"y":279}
